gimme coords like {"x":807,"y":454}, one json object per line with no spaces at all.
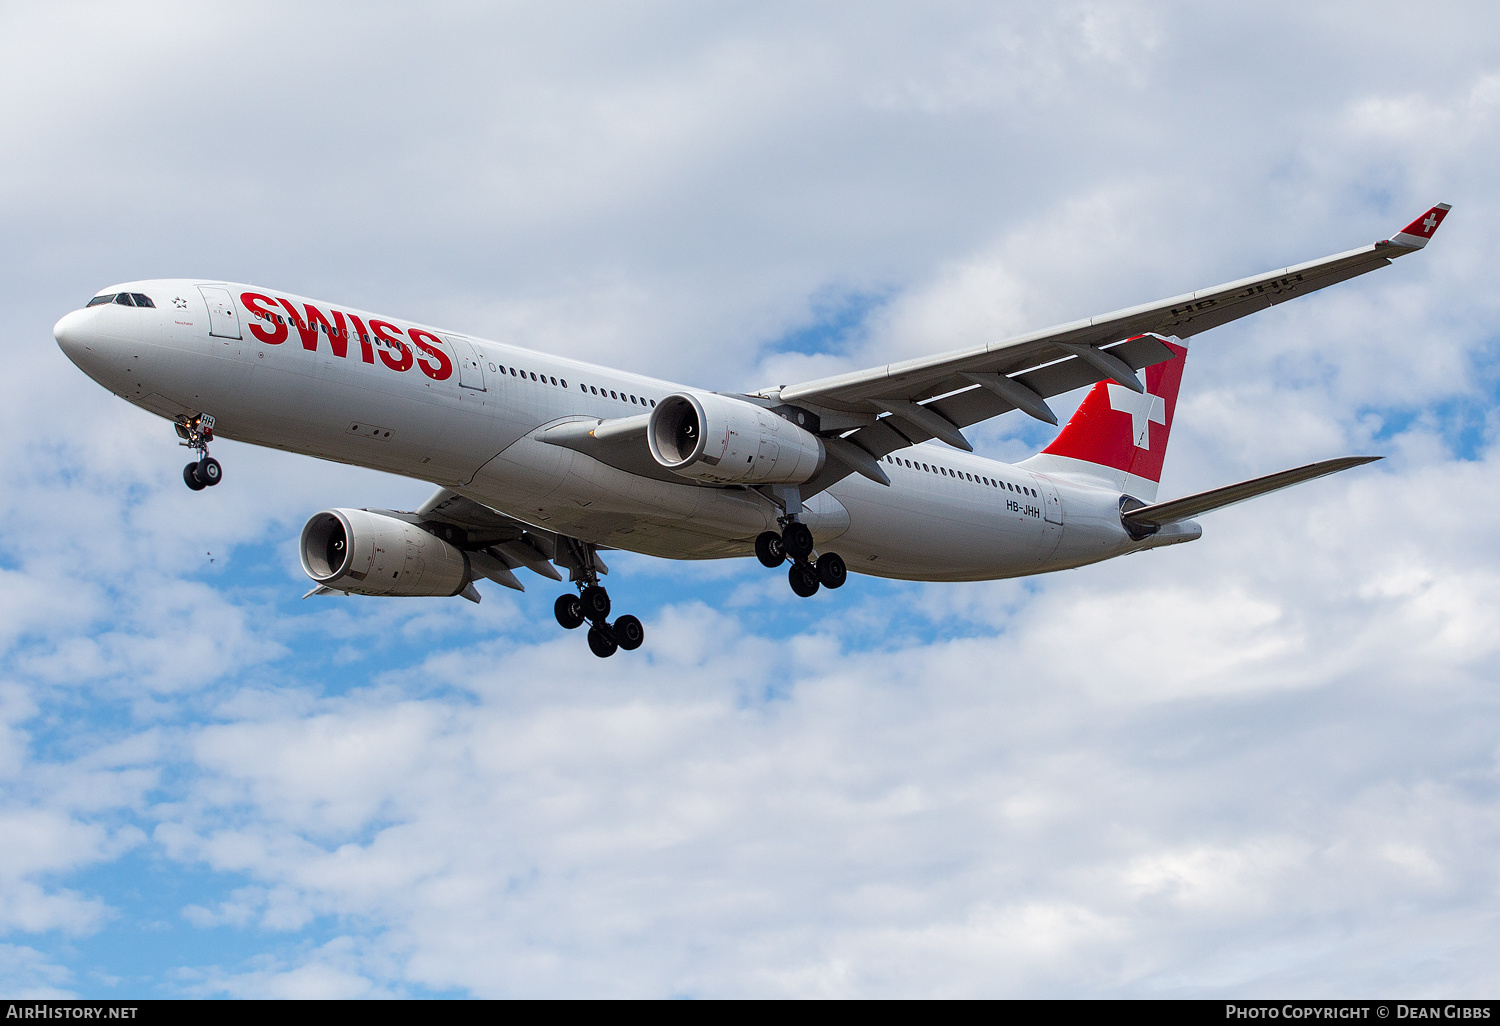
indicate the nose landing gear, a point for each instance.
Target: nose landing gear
{"x":196,"y":433}
{"x":591,"y":605}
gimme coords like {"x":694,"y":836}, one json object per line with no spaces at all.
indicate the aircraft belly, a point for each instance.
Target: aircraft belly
{"x":566,"y":491}
{"x":937,"y":531}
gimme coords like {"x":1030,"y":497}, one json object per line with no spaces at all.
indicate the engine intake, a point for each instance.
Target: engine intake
{"x":714,"y":438}
{"x":368,"y":553}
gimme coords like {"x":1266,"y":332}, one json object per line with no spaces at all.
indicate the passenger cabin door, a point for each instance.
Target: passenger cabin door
{"x":470,"y":369}
{"x":223,"y":318}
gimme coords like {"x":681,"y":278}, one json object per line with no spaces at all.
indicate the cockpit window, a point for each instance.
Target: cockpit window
{"x":123,"y":299}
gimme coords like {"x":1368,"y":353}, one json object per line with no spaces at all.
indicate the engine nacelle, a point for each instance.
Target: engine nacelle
{"x":373,"y":554}
{"x":714,"y":438}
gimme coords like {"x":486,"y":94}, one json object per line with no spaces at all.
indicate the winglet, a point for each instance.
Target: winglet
{"x":1416,"y":234}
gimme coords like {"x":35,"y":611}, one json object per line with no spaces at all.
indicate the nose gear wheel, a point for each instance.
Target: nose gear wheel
{"x":196,"y":433}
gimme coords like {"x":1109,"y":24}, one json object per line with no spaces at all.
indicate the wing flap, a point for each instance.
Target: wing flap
{"x":976,"y":403}
{"x":496,"y":542}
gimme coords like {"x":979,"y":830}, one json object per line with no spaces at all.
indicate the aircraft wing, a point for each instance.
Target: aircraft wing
{"x":496,"y":543}
{"x":897,"y":405}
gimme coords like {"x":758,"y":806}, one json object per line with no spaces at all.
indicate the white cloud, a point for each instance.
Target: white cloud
{"x":25,"y":973}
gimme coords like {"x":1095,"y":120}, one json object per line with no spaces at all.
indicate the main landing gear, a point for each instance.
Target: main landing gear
{"x":591,"y":606}
{"x":805,"y":575}
{"x":196,"y":433}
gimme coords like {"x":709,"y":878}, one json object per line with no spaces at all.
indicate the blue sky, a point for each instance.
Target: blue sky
{"x":1261,"y":764}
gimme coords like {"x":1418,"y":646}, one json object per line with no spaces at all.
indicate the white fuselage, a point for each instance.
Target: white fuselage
{"x":341,"y":393}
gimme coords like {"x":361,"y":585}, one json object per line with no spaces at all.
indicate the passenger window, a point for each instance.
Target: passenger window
{"x":564,"y":382}
{"x":653,"y":403}
{"x":101,"y":300}
{"x":613,"y":396}
{"x":593,"y":390}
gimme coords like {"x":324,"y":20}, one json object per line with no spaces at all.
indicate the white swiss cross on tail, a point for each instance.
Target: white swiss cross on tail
{"x":1144,"y":411}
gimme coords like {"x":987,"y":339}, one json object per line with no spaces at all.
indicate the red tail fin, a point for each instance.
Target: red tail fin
{"x":1121,"y":432}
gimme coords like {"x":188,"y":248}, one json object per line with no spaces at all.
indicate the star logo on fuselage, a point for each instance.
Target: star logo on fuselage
{"x":1144,"y":411}
{"x":179,"y":302}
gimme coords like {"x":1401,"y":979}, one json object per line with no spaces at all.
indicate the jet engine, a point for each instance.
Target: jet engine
{"x":717,"y":439}
{"x":368,"y":553}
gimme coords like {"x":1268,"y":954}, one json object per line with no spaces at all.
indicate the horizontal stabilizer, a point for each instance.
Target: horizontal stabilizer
{"x":1216,"y":498}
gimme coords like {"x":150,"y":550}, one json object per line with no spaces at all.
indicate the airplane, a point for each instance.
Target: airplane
{"x":543,"y":462}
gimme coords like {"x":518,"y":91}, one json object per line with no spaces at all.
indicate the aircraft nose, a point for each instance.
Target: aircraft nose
{"x":75,"y":337}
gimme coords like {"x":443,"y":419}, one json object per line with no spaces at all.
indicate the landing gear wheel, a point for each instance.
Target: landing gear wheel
{"x":190,"y":477}
{"x":209,"y":471}
{"x":601,"y":643}
{"x":798,"y":540}
{"x":770,"y":549}
{"x":595,"y":603}
{"x":629,"y":633}
{"x":831,"y":570}
{"x":569,"y":611}
{"x":804,"y":579}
